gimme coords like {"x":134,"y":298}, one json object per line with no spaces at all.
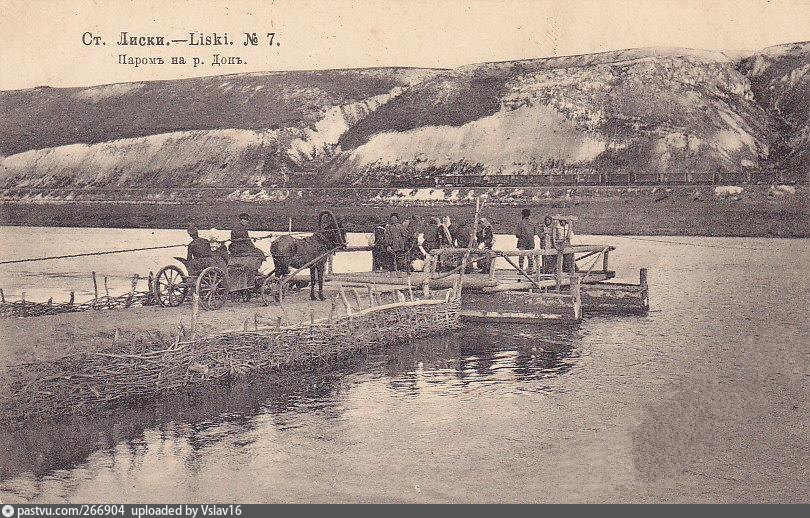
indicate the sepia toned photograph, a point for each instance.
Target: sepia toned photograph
{"x":408,"y":252}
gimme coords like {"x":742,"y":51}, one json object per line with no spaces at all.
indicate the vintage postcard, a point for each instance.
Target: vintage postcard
{"x":453,"y":251}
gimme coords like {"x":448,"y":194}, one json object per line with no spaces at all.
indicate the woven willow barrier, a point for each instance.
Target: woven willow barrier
{"x":145,"y":369}
{"x":24,"y":308}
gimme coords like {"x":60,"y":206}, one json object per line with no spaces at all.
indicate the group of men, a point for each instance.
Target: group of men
{"x":552,"y":236}
{"x":396,"y":246}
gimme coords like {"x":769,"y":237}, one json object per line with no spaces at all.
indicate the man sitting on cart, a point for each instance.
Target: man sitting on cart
{"x":241,"y":244}
{"x":243,"y":252}
{"x":199,"y":255}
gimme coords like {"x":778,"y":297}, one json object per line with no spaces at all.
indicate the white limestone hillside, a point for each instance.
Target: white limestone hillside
{"x":651,"y":111}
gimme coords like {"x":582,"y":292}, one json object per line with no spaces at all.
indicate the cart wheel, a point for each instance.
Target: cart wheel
{"x":271,"y":290}
{"x":212,"y":288}
{"x":169,"y":286}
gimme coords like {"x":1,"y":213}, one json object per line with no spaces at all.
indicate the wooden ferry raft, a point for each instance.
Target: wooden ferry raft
{"x":516,"y":295}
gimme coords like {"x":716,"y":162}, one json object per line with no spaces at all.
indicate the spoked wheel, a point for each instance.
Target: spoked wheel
{"x":169,"y":287}
{"x":272,"y":290}
{"x":212,"y":288}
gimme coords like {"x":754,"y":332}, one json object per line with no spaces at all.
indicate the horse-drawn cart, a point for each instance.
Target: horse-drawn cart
{"x":235,"y":277}
{"x":220,"y":277}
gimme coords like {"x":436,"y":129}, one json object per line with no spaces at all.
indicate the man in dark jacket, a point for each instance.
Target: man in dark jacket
{"x":380,"y":259}
{"x":434,"y":235}
{"x":395,"y":240}
{"x":241,"y":244}
{"x":412,"y":231}
{"x":525,"y":232}
{"x":485,"y":237}
{"x":199,"y":254}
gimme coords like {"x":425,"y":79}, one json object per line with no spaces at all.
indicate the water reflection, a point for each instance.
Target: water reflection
{"x":479,"y":358}
{"x":185,"y":426}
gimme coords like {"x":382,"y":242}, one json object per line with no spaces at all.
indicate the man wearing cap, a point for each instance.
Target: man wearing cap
{"x":525,"y":232}
{"x":241,"y":244}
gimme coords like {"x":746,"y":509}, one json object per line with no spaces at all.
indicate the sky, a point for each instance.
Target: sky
{"x":41,"y":40}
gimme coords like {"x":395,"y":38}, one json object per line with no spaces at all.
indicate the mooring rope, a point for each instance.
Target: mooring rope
{"x":700,"y":245}
{"x":88,"y":254}
{"x":270,"y":236}
{"x":126,"y":250}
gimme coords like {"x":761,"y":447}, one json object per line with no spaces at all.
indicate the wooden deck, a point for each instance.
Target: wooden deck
{"x":503,"y":280}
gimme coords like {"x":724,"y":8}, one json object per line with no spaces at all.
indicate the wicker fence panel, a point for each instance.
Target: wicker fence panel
{"x":145,"y":369}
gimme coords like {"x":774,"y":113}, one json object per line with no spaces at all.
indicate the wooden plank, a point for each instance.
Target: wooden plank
{"x":615,"y":298}
{"x":559,"y":274}
{"x":513,"y":317}
{"x":522,"y":306}
{"x":520,"y":271}
{"x":517,"y":253}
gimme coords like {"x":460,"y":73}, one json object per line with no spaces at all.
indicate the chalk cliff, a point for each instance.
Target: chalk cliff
{"x":661,"y":114}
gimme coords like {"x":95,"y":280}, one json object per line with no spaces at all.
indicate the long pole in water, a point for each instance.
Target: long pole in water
{"x":472,"y":243}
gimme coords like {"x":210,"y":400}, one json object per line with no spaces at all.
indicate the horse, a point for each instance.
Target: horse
{"x":461,"y":234}
{"x":288,"y":251}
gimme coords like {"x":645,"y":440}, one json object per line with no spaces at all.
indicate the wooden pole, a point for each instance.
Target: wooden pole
{"x":107,"y":291}
{"x":132,"y":289}
{"x":426,"y":280}
{"x":521,"y":271}
{"x":559,"y":272}
{"x":332,"y":309}
{"x":23,"y":297}
{"x":95,"y":289}
{"x":356,"y":294}
{"x":195,"y":311}
{"x":72,"y":297}
{"x":410,"y":287}
{"x":371,"y":302}
{"x":470,"y":245}
{"x":345,"y":299}
{"x":538,"y":267}
{"x":642,"y":277}
{"x":605,"y":261}
{"x":576,"y":298}
{"x":278,"y":323}
{"x":2,"y":296}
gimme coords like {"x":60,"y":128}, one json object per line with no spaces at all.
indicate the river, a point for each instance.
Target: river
{"x":703,"y":399}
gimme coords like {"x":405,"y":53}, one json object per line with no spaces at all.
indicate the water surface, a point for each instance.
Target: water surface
{"x":703,"y":399}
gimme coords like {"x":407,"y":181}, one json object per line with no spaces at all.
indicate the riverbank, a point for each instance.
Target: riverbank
{"x":47,"y":338}
{"x":97,"y":360}
{"x":752,"y":211}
